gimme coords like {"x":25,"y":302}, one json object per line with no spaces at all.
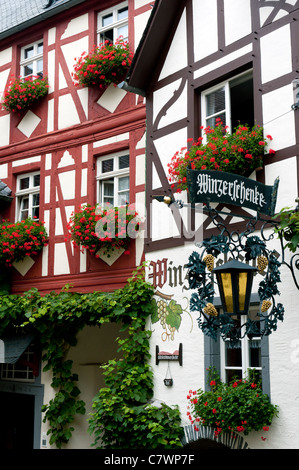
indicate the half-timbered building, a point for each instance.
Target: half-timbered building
{"x":199,"y":60}
{"x":75,"y":146}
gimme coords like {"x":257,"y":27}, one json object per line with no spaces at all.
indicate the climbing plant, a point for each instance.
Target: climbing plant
{"x":56,"y":318}
{"x":122,"y":417}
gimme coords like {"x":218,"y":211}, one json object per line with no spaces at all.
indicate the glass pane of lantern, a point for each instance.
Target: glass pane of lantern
{"x":242,"y":281}
{"x":228,"y":291}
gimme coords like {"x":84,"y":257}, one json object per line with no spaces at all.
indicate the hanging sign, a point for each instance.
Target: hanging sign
{"x":222,"y":187}
{"x":167,"y":356}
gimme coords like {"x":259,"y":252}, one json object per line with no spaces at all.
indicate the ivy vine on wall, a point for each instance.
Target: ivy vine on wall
{"x":122,"y":415}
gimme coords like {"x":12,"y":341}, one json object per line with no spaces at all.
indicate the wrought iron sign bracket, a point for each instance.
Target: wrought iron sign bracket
{"x":266,"y":223}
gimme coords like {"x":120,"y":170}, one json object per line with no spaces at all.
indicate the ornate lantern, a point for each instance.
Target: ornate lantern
{"x":235,"y":282}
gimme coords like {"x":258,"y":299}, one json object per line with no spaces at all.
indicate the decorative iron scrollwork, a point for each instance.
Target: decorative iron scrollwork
{"x":235,"y":245}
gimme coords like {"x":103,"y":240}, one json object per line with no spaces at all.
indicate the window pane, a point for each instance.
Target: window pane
{"x":39,"y":65}
{"x":108,"y":192}
{"x":35,"y":199}
{"x":122,"y":31}
{"x":254,"y":353}
{"x":24,"y":183}
{"x":24,"y":203}
{"x":232,"y":375}
{"x":122,"y":13}
{"x":123,"y":162}
{"x":24,"y":215}
{"x":40,"y":47}
{"x":28,"y":70}
{"x":28,"y":52}
{"x":36,"y":180}
{"x":123,"y":183}
{"x":108,"y":188}
{"x":212,"y":121}
{"x":107,"y":36}
{"x":35,"y":212}
{"x":107,"y":19}
{"x":233,"y":356}
{"x":107,"y":165}
{"x":123,"y":198}
{"x":215,"y":102}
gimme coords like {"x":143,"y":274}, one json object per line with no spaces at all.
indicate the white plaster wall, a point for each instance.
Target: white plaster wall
{"x":96,"y":345}
{"x":176,"y":58}
{"x":283,"y":345}
{"x":178,"y":108}
{"x":166,"y":147}
{"x":286,"y":170}
{"x":279,"y":118}
{"x":191,"y":374}
{"x":5,"y":56}
{"x":139,"y":24}
{"x":76,"y":25}
{"x":74,"y":49}
{"x":205,"y":28}
{"x":276,"y":54}
{"x":68,"y":115}
{"x":3,"y":81}
{"x":284,"y":363}
{"x":235,"y":30}
{"x":5,"y":129}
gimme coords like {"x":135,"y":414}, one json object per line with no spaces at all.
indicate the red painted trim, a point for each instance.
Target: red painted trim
{"x":84,"y":133}
{"x":106,"y":281}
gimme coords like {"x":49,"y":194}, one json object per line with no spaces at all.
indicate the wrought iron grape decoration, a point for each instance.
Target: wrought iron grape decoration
{"x":201,"y":278}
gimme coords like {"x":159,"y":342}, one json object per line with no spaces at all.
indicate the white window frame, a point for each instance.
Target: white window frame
{"x":115,"y":23}
{"x":227,"y":108}
{"x":31,"y":60}
{"x":245,"y":354}
{"x":30,"y":192}
{"x":115,"y":174}
{"x":17,"y":371}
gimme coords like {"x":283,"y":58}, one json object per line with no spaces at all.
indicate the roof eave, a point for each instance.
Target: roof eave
{"x":152,"y":42}
{"x":55,"y":10}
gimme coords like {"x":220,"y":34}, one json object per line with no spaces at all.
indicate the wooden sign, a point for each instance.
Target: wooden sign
{"x":222,"y":187}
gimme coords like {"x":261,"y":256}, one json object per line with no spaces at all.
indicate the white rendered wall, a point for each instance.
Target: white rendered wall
{"x":279,"y":122}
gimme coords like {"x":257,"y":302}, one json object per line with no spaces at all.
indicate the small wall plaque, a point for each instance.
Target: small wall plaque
{"x":167,"y":356}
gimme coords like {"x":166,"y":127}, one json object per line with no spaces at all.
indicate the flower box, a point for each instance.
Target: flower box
{"x":94,"y":229}
{"x":20,"y":240}
{"x":22,"y":93}
{"x":239,"y":406}
{"x":105,"y":64}
{"x":239,"y":153}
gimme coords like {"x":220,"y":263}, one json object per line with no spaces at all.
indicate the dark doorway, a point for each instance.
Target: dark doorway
{"x":16,"y":421}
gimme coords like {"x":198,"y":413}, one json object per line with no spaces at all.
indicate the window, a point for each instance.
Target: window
{"x":27,"y":196}
{"x":251,"y":353}
{"x":32,"y":60}
{"x":231,"y":101}
{"x":23,"y":369}
{"x":237,"y":361}
{"x":113,"y":179}
{"x":113,"y":23}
